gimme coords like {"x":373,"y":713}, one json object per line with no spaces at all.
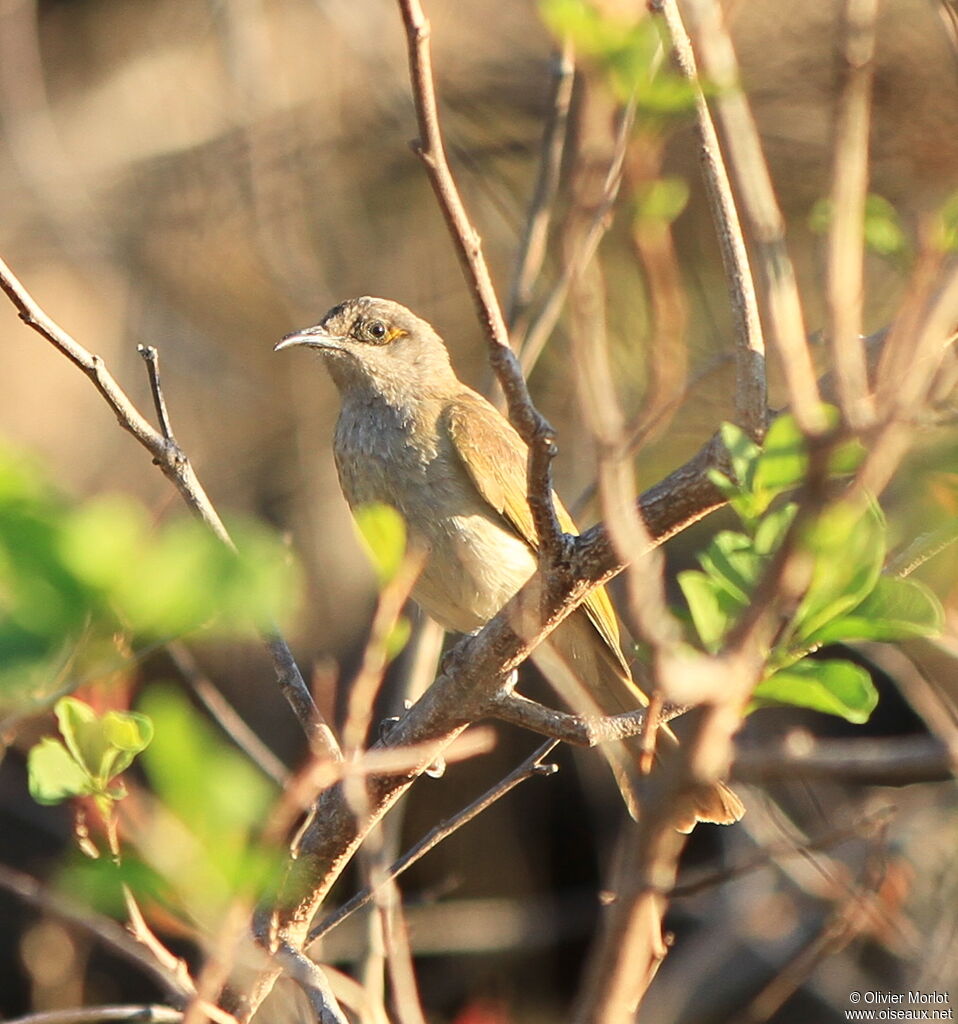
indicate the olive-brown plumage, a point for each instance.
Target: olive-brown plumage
{"x":412,"y":435}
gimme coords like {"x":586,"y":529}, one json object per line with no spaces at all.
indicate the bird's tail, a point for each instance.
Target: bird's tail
{"x":591,"y":680}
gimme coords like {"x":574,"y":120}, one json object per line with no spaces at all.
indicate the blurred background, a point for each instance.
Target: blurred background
{"x":206,"y":176}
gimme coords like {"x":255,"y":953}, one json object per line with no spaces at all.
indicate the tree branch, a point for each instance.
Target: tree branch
{"x":176,"y":467}
{"x":531,"y":767}
{"x":751,"y":384}
{"x":753,"y":188}
{"x":532,"y":426}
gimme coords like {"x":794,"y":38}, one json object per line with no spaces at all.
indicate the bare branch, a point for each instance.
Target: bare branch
{"x":532,"y":338}
{"x":751,"y":388}
{"x":631,"y":947}
{"x":532,"y":248}
{"x":362,"y":692}
{"x":890,"y":761}
{"x":532,"y":426}
{"x":854,"y":915}
{"x":226,"y":716}
{"x":176,"y":467}
{"x":531,"y":767}
{"x":152,"y":359}
{"x":116,"y":938}
{"x":753,"y":189}
{"x":311,"y":979}
{"x":845,"y":236}
{"x":579,"y":730}
{"x":864,"y":827}
{"x":138,"y":1013}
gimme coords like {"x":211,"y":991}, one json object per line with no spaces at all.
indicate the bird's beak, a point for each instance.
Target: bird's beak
{"x":314,"y":337}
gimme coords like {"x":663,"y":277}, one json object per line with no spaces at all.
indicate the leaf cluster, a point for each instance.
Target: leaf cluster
{"x":848,"y":598}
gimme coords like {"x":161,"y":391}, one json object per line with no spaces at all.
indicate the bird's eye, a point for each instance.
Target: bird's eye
{"x":376,"y":330}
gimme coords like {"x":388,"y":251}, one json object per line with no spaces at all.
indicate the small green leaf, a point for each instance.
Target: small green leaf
{"x":713,"y":610}
{"x":883,"y":231}
{"x":847,"y":542}
{"x":54,"y":775}
{"x":730,"y":560}
{"x":383,"y":532}
{"x":78,"y":727}
{"x":834,"y":687}
{"x":743,"y":452}
{"x":783,"y":462}
{"x":896,"y":609}
{"x":103,"y":746}
{"x":129,"y":733}
{"x":772,"y":528}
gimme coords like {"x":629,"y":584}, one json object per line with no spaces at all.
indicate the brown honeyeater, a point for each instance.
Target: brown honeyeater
{"x":412,"y":435}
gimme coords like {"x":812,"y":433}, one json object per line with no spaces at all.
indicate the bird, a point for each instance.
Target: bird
{"x":412,"y":435}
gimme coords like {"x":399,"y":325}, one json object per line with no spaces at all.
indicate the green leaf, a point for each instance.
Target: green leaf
{"x":883,"y":231}
{"x":211,"y":787}
{"x":102,"y":539}
{"x":731,"y":561}
{"x":772,"y":528}
{"x":220,"y":801}
{"x":834,"y":687}
{"x":383,"y":533}
{"x":54,"y":775}
{"x":847,"y":542}
{"x":783,"y":462}
{"x":713,"y":609}
{"x":896,"y":609}
{"x":186,"y":579}
{"x":623,"y":46}
{"x":743,"y":452}
{"x":103,"y":746}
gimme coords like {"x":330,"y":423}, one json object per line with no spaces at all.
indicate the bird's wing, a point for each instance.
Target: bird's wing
{"x":494,"y":456}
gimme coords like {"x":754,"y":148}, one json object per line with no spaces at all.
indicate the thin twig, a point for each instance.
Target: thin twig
{"x":889,"y":761}
{"x":532,"y":337}
{"x":532,"y":248}
{"x":531,"y":767}
{"x":104,"y":929}
{"x":142,"y":1013}
{"x":853,"y":916}
{"x":864,"y":828}
{"x":152,"y":359}
{"x":365,"y":686}
{"x":226,"y":716}
{"x":751,"y":387}
{"x":176,"y":467}
{"x":374,"y":851}
{"x":532,"y":426}
{"x":579,"y":730}
{"x":318,"y":775}
{"x":742,"y":150}
{"x":311,"y":979}
{"x":848,"y":193}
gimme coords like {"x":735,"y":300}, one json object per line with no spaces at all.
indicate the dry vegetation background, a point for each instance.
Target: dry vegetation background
{"x":206,"y":176}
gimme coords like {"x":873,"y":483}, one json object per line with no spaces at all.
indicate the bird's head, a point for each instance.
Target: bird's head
{"x":378,"y":346}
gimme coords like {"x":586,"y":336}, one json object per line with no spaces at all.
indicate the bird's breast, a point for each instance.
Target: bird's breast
{"x":475,"y":561}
